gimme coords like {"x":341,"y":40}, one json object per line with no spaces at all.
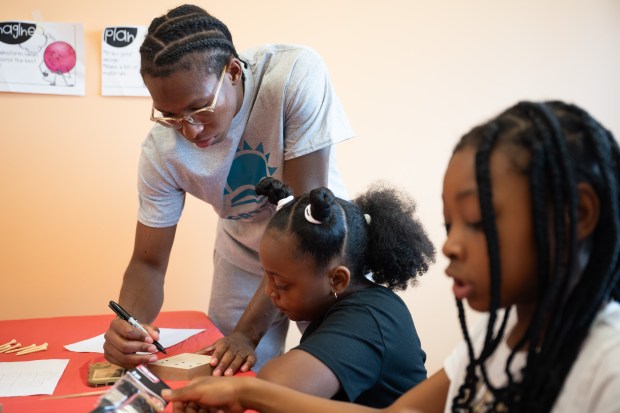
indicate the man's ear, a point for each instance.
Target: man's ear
{"x":588,"y":210}
{"x":235,"y":70}
{"x":339,"y":279}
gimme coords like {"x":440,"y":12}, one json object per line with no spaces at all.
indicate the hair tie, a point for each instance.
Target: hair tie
{"x":283,"y":202}
{"x":368,"y":219}
{"x":309,"y":216}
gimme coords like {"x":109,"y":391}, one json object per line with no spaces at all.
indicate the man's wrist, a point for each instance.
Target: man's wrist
{"x":251,"y":336}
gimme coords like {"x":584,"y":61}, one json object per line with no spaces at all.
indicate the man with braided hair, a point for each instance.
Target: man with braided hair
{"x":223,"y":121}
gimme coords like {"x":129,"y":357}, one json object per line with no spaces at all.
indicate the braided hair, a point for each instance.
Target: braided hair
{"x":377,"y":232}
{"x":179,"y":39}
{"x":556,"y":145}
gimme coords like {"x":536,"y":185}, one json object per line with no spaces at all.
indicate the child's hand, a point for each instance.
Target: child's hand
{"x":206,"y":392}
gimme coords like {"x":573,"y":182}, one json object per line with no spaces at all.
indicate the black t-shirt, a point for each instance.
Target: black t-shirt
{"x":369,"y":341}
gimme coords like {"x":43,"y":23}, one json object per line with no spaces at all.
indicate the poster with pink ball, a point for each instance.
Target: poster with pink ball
{"x":42,"y":57}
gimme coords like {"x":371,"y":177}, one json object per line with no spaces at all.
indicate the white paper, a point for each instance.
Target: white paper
{"x":42,"y":57}
{"x":27,"y":378}
{"x":168,"y":337}
{"x":120,"y":61}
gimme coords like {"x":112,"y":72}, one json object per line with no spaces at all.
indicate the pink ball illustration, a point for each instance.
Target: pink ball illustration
{"x":59,"y":57}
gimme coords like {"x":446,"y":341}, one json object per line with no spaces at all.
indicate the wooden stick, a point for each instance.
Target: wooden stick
{"x":68,"y":396}
{"x":30,"y":349}
{"x":11,"y":349}
{"x":7,"y":345}
{"x":20,"y":348}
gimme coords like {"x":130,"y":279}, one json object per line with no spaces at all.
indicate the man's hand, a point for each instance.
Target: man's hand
{"x":122,"y":342}
{"x":231,"y":354}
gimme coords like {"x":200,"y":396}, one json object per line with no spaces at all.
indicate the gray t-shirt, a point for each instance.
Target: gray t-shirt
{"x":289,"y":109}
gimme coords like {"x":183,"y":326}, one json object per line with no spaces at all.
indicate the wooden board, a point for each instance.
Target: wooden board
{"x":184,"y":366}
{"x":103,"y":374}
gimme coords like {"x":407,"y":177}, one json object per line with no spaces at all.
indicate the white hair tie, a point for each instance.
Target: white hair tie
{"x":283,"y":202}
{"x":309,"y":216}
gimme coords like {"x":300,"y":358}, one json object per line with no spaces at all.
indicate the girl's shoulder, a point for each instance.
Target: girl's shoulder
{"x":375,"y":297}
{"x":604,"y":335}
{"x":594,"y":381}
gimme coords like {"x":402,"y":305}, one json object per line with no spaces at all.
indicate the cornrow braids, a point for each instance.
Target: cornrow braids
{"x":184,"y":36}
{"x":376,"y":233}
{"x":565,"y":146}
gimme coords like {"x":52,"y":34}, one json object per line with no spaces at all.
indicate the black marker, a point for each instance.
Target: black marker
{"x":121,"y":313}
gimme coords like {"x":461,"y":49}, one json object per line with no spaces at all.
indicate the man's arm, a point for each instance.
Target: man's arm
{"x":236,"y":351}
{"x":307,"y":172}
{"x":302,"y":175}
{"x":142,"y":295}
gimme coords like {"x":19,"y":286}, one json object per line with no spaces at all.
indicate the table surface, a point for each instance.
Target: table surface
{"x":60,"y":331}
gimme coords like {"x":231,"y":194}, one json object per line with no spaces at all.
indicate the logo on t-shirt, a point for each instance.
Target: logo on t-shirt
{"x":248,"y":168}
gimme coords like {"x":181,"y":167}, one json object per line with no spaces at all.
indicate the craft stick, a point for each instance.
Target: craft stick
{"x":10,"y":349}
{"x":7,"y":345}
{"x":3,"y":349}
{"x":13,"y":350}
{"x":42,"y":347}
{"x":68,"y":396}
{"x":31,"y":350}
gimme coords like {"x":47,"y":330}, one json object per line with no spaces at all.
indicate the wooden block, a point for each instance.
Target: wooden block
{"x":104,"y":374}
{"x":184,"y":366}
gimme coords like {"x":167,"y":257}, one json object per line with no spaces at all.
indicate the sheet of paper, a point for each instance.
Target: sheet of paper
{"x":27,"y":378}
{"x":167,"y":337}
{"x":120,"y":61}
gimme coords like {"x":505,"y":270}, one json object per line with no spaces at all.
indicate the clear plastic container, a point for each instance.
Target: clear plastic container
{"x":138,"y":391}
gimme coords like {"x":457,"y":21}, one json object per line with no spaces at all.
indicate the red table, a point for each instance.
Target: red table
{"x":60,"y":331}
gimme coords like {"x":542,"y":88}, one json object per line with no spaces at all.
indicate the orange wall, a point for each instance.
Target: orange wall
{"x":413,"y":76}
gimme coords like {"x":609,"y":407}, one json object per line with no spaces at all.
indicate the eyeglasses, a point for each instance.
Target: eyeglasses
{"x":201,"y":116}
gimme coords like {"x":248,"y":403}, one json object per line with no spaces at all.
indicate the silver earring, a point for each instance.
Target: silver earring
{"x":335,"y":295}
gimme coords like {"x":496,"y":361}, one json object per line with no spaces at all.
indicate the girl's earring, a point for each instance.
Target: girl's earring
{"x":335,"y":295}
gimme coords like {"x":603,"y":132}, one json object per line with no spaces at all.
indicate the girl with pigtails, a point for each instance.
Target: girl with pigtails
{"x":319,"y":254}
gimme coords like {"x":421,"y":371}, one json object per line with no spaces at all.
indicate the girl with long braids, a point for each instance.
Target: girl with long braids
{"x":531,"y":205}
{"x":532,"y":212}
{"x":223,"y":121}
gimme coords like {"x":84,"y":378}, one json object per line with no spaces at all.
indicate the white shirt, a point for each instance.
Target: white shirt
{"x":593,"y":384}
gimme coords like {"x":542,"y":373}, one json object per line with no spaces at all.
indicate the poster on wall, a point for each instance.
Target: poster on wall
{"x":120,"y":61}
{"x":42,"y":57}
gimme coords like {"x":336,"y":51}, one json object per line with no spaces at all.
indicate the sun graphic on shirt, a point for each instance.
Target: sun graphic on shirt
{"x":248,"y":168}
